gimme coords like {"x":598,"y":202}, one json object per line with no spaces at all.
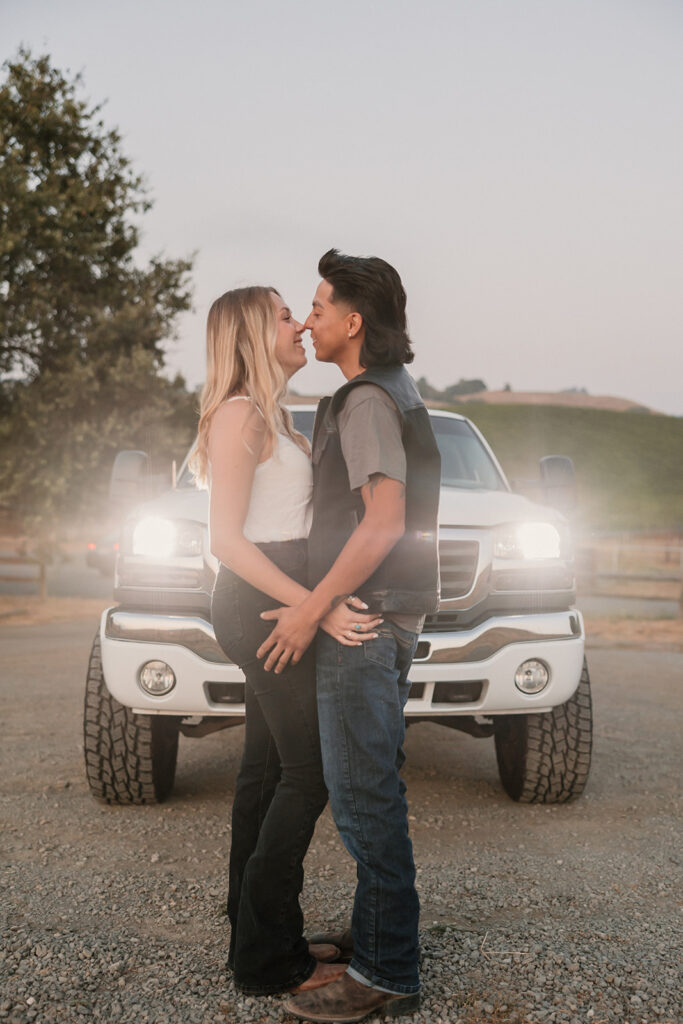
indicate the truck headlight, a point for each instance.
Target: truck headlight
{"x":160,"y":539}
{"x":156,"y":678}
{"x":532,"y":676}
{"x":529,"y":541}
{"x":154,"y":537}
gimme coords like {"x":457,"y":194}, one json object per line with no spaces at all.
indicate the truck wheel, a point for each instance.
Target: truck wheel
{"x":129,"y":759}
{"x":545,"y":759}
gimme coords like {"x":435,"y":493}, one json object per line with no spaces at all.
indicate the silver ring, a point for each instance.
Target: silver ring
{"x":357,"y":626}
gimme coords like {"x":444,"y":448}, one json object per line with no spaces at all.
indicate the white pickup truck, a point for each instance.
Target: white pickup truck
{"x":502,"y":658}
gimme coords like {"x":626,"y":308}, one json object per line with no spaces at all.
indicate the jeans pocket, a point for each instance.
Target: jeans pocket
{"x":406,"y":641}
{"x":382,"y":650}
{"x":225,"y":612}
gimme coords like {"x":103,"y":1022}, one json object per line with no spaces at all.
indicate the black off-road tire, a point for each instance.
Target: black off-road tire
{"x":129,"y":759}
{"x":545,"y":759}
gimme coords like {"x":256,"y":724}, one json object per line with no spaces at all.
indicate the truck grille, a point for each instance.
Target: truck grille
{"x":441,"y":622}
{"x":458,"y":559}
{"x":458,"y":565}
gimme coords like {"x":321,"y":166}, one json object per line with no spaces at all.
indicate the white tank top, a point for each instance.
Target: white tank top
{"x":281,"y":506}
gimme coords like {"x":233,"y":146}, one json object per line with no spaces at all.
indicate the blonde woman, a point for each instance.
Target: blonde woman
{"x":259,"y":473}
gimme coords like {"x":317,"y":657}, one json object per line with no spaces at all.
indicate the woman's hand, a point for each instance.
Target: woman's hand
{"x":294,"y":631}
{"x":351,"y":627}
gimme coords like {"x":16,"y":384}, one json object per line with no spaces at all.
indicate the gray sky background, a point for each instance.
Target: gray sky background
{"x":519,"y":161}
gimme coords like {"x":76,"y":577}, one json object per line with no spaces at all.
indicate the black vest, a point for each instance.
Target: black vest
{"x":408,"y":578}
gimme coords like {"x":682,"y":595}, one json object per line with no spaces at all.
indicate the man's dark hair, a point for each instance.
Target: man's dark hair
{"x":372,"y":288}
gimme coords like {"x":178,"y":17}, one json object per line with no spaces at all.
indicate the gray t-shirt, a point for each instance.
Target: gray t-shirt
{"x":369,"y":427}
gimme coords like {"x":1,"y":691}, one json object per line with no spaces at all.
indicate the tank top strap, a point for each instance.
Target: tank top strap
{"x":246,"y":398}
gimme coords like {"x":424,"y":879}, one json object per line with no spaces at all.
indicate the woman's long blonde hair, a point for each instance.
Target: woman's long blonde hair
{"x":240,"y":358}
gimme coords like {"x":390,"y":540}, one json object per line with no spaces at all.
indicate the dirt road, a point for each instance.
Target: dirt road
{"x":528,"y":913}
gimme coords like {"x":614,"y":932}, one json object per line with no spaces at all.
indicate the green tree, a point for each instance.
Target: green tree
{"x":68,"y":280}
{"x":57,"y":449}
{"x":464,"y":387}
{"x":82,"y":324}
{"x":426,"y":390}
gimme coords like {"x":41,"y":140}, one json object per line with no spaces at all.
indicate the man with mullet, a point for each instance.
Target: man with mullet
{"x":376,"y":476}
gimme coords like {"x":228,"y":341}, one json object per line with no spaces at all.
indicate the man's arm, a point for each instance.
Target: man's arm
{"x":382,"y":525}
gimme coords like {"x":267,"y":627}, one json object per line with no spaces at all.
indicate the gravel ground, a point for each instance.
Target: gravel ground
{"x":530,"y":914}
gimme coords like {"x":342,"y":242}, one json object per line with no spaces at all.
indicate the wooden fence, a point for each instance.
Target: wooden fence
{"x":643,"y":571}
{"x":646,"y":571}
{"x":40,"y":576}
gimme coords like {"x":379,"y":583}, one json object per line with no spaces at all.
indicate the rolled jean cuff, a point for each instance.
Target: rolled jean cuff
{"x":276,"y":989}
{"x":365,"y":977}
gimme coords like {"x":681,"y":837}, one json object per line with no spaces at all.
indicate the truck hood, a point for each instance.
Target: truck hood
{"x":185,"y":503}
{"x":459,"y":507}
{"x":456,"y":507}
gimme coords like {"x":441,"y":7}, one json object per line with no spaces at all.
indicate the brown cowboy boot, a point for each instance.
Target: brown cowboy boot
{"x":346,"y":1001}
{"x":325,"y":952}
{"x":343,"y":940}
{"x":324,"y":974}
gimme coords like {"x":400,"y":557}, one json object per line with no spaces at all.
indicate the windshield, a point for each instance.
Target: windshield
{"x":465,"y":462}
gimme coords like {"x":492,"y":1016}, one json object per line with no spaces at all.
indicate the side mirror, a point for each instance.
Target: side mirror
{"x":129,"y":479}
{"x":558,"y":480}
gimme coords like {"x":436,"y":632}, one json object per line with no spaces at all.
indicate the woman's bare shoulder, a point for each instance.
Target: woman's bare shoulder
{"x":235,"y":420}
{"x":236,"y":413}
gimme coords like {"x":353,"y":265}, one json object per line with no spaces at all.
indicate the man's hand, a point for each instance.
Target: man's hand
{"x":293,"y":632}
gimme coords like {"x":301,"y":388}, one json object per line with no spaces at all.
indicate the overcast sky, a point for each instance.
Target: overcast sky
{"x":519,"y":161}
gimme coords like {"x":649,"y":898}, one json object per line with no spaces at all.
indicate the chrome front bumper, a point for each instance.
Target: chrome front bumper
{"x":487,"y":654}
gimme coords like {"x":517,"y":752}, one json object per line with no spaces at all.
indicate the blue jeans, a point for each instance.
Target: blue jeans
{"x":362,"y":692}
{"x":280,"y":791}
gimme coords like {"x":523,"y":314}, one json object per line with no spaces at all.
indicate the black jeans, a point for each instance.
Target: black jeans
{"x":280,"y":791}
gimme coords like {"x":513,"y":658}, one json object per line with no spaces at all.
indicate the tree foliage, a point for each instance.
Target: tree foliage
{"x":68,"y":280}
{"x":82,"y":324}
{"x":463,"y":387}
{"x":57,"y":449}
